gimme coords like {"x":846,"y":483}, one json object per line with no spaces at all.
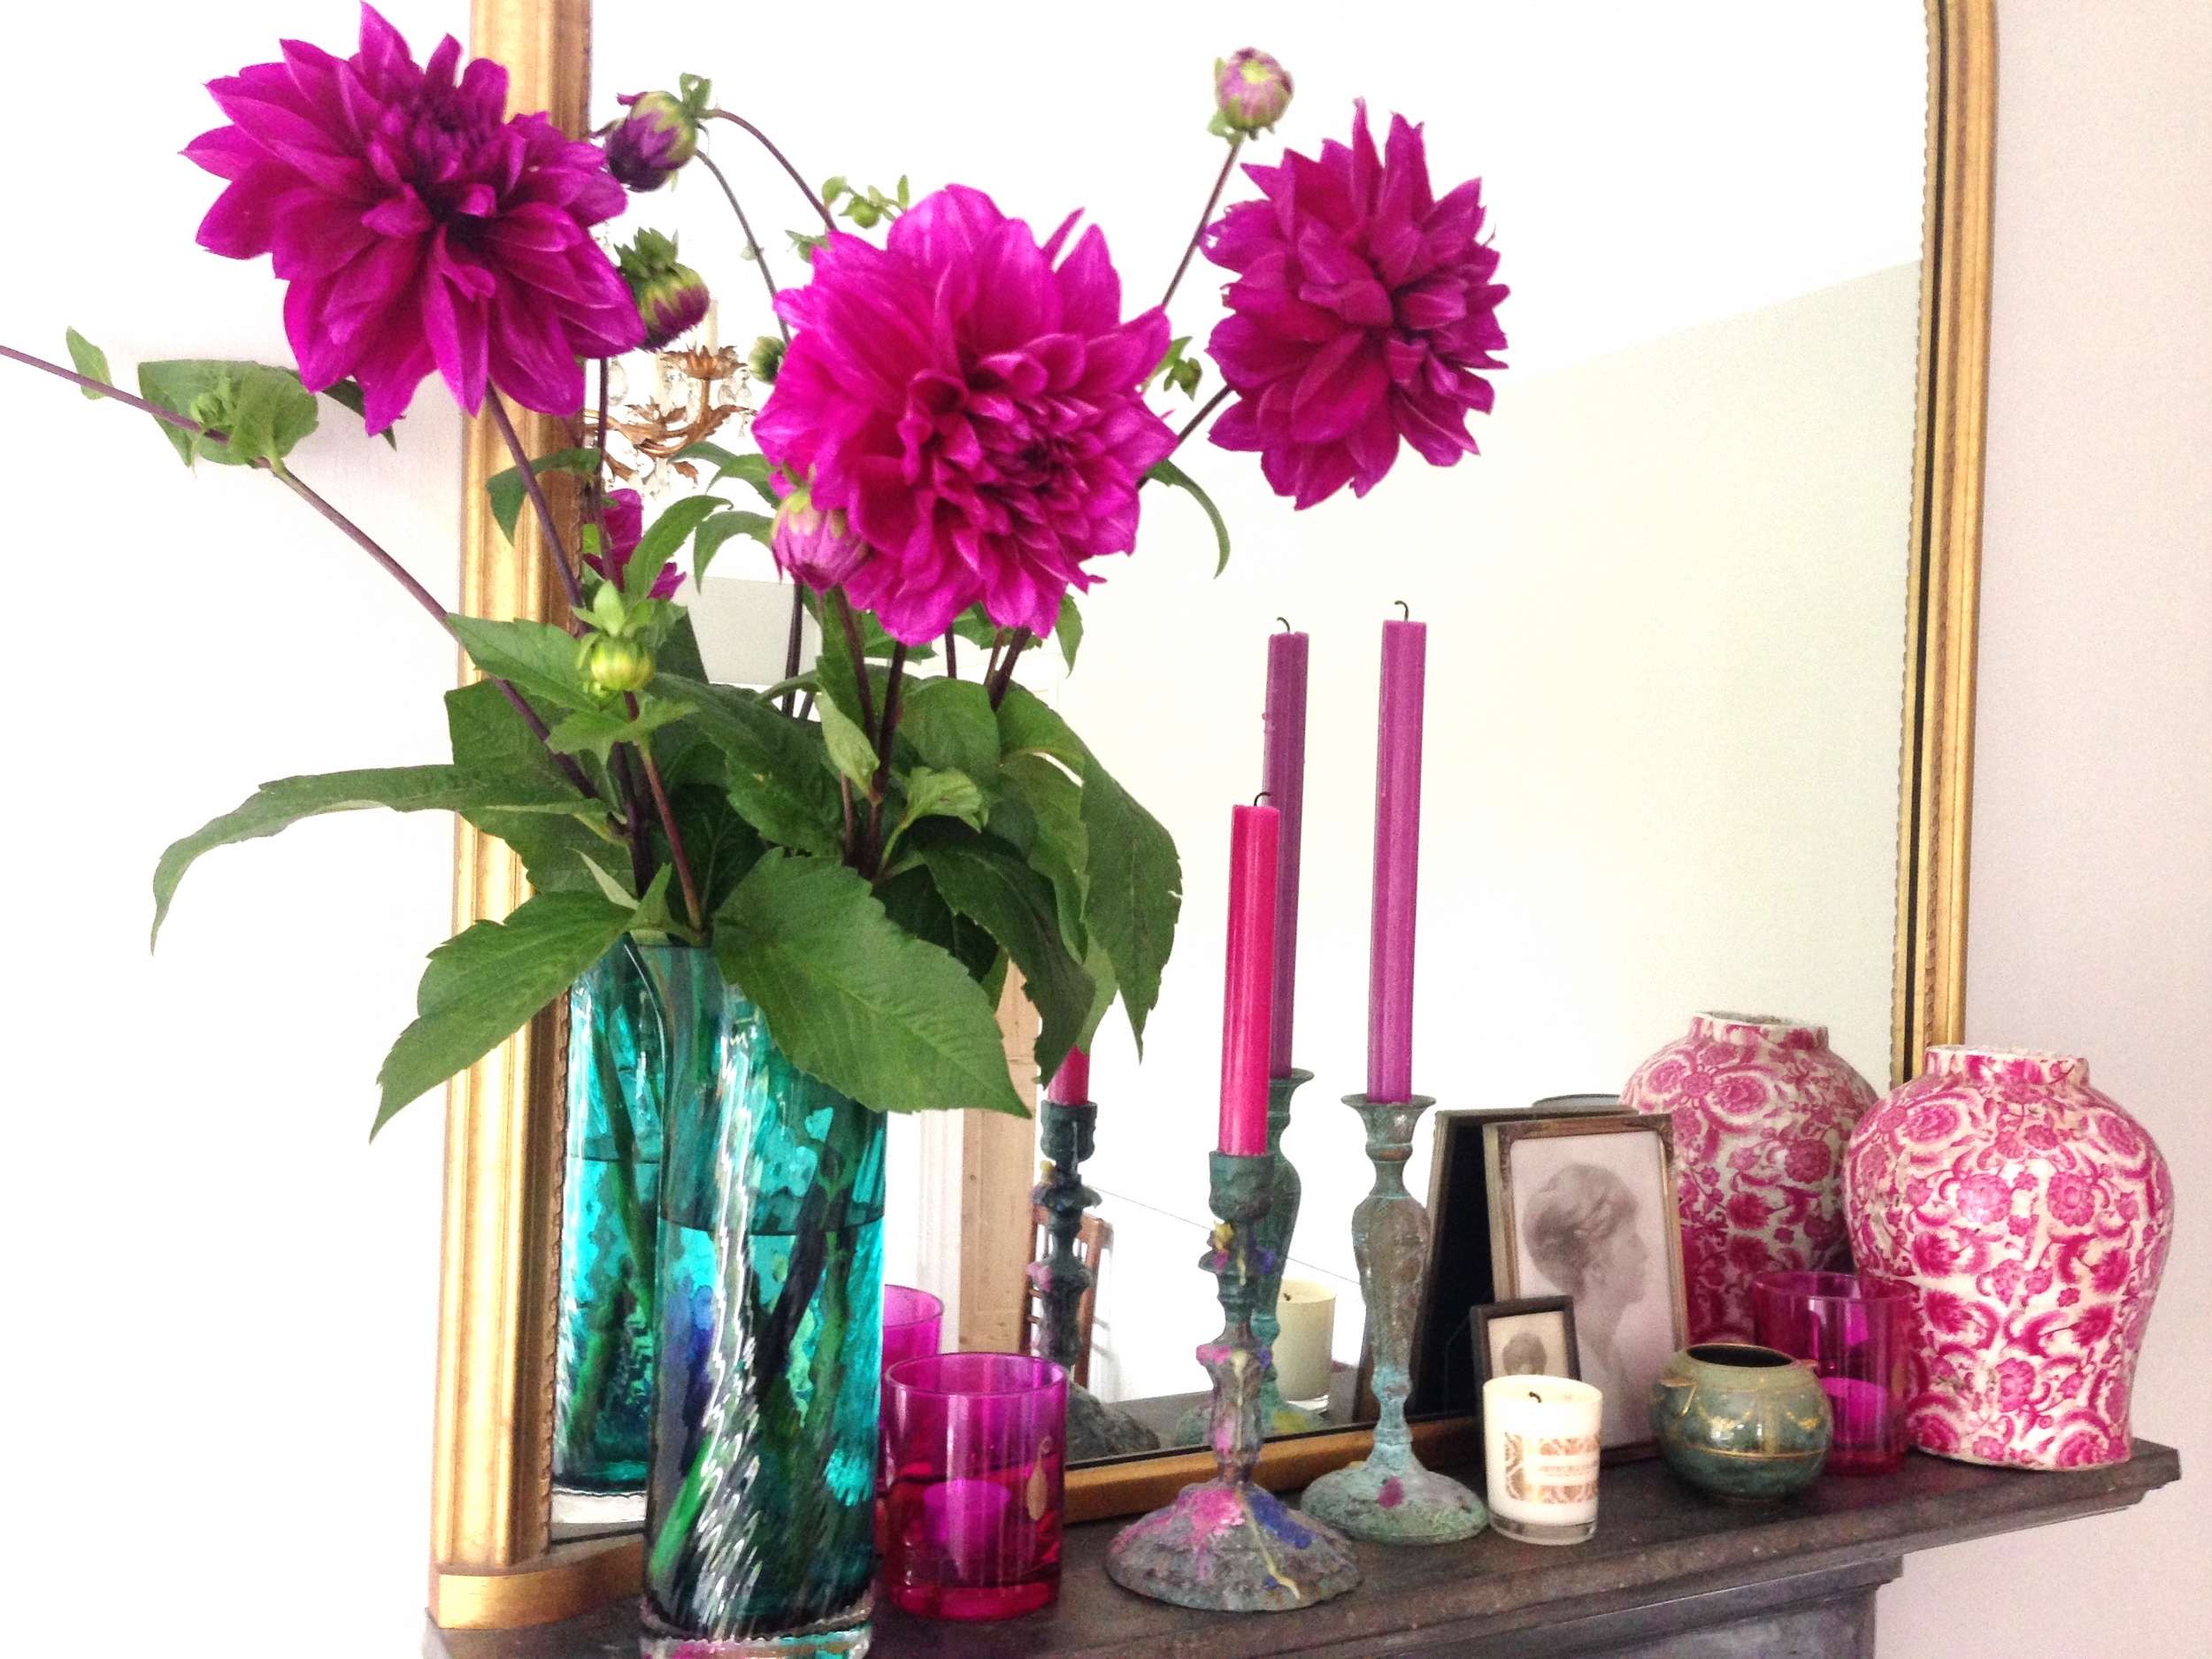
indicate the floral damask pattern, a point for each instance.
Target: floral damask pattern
{"x":1762,"y":1109}
{"x":2030,"y":1214}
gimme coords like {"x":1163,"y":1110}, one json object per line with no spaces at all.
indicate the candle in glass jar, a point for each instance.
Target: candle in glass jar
{"x":1249,"y":979}
{"x":1397,"y":863}
{"x":1283,"y":775}
{"x":1540,"y":1438}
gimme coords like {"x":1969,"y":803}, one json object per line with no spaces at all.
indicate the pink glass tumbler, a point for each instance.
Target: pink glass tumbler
{"x":977,"y":1444}
{"x":1855,"y":1333}
{"x":913,"y":1324}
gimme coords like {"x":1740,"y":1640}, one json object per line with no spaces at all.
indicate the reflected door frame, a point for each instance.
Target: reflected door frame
{"x":492,"y":1565}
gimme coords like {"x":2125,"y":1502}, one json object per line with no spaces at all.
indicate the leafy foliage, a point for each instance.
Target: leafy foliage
{"x":1168,"y":472}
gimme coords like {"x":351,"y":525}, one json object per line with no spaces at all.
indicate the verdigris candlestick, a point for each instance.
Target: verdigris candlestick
{"x":1390,"y":1498}
{"x":1063,"y":1133}
{"x":1274,"y":1230}
{"x":1226,"y":1544}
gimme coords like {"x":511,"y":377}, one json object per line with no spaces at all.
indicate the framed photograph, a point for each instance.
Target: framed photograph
{"x":1532,"y":1337}
{"x":1584,"y":1207}
{"x":1459,"y":1273}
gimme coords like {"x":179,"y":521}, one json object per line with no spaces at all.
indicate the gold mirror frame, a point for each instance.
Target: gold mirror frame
{"x":492,"y":1565}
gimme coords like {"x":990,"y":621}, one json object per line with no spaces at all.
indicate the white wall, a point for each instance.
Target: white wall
{"x":2092,"y":918}
{"x":219,"y":1333}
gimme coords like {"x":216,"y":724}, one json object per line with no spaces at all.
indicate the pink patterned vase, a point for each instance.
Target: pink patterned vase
{"x":1761,"y":1109}
{"x":2030,"y":1215}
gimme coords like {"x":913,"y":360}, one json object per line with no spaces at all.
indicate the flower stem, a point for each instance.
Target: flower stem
{"x":641,"y":849}
{"x":860,"y":660}
{"x":793,"y":643}
{"x":598,"y":495}
{"x":353,"y":532}
{"x":889,"y":729}
{"x":1221,"y":183}
{"x":668,"y":823}
{"x":752,"y":246}
{"x":952,"y":656}
{"x":556,"y":554}
{"x":1212,"y":403}
{"x":769,"y":145}
{"x":1015,"y":647}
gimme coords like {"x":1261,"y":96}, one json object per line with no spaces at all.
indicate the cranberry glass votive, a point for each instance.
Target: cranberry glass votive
{"x":913,"y":1324}
{"x":1856,"y":1332}
{"x":977,"y":1444}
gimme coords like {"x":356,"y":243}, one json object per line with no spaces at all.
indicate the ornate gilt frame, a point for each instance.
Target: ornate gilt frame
{"x":491,"y":1563}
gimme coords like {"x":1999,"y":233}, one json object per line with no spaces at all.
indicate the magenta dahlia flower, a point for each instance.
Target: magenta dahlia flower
{"x":622,"y":524}
{"x":1363,"y":307}
{"x":417,"y":228}
{"x":973,"y":403}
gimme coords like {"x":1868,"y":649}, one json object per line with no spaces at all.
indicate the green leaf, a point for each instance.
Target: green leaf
{"x":279,"y":805}
{"x":721,"y":846}
{"x":1069,"y":629}
{"x":850,"y":749}
{"x":264,"y":411}
{"x":948,"y":724}
{"x":855,"y":999}
{"x":507,"y":491}
{"x":481,"y":987}
{"x":659,"y":543}
{"x":978,"y":629}
{"x":1039,"y":811}
{"x":537,"y":657}
{"x":349,"y":395}
{"x":714,"y":531}
{"x":776,"y":775}
{"x":1027,"y":725}
{"x":1017,"y":907}
{"x":941,"y":795}
{"x":678,"y":652}
{"x":90,"y":361}
{"x":751,"y":468}
{"x":1134,"y":892}
{"x":1168,"y":472}
{"x":911,"y":900}
{"x":596,"y":730}
{"x":490,"y":742}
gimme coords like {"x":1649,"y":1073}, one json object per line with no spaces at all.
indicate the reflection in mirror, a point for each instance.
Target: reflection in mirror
{"x":1668,"y":602}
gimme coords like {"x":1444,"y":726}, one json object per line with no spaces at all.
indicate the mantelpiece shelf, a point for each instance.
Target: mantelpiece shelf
{"x":1666,"y":1567}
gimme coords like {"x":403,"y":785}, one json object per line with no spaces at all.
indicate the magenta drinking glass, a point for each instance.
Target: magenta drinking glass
{"x":976,"y":1443}
{"x":913,"y":1324}
{"x":1856,"y":1332}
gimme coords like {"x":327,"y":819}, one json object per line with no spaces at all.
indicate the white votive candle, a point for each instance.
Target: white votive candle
{"x":1306,"y":1315}
{"x":1540,"y":1450}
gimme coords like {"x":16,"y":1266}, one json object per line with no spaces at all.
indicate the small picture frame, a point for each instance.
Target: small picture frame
{"x":1531,"y":1337}
{"x":1585,"y":1208}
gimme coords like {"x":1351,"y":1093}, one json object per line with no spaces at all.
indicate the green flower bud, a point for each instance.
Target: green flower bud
{"x":765,"y":359}
{"x":617,"y":664}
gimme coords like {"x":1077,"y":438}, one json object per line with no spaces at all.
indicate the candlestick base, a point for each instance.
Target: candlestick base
{"x":1225,"y":1545}
{"x":1390,"y":1498}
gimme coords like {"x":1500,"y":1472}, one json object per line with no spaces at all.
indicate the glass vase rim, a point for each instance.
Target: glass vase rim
{"x":936,"y":1375}
{"x":1807,"y":1285}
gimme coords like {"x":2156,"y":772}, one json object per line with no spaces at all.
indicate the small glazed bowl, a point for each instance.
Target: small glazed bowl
{"x":1743,"y":1423}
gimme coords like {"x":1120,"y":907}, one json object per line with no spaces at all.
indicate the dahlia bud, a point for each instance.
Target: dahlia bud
{"x":671,"y":298}
{"x":617,"y":664}
{"x":819,"y":548}
{"x":650,"y":143}
{"x":1251,"y":91}
{"x":765,"y":360}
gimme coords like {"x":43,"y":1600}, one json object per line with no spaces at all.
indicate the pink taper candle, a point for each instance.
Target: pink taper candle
{"x":1405,"y":646}
{"x":1071,"y":1083}
{"x":1249,"y":981}
{"x":1283,"y":775}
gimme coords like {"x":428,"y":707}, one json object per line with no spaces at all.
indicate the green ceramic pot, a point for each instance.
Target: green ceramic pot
{"x":1740,"y":1422}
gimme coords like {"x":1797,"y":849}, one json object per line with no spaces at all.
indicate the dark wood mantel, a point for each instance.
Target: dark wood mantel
{"x":1671,"y":1574}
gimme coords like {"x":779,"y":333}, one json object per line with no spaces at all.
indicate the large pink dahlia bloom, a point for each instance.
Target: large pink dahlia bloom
{"x":971,"y":402}
{"x":417,"y":228}
{"x":1363,"y":307}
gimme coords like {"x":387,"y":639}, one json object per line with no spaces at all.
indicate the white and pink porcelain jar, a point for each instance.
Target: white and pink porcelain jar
{"x":2030,"y":1214}
{"x":1761,"y":1107}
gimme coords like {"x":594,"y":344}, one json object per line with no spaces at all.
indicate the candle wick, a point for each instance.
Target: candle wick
{"x":1405,"y":607}
{"x":1286,"y":622}
{"x":1535,"y":1396}
{"x":1261,"y":796}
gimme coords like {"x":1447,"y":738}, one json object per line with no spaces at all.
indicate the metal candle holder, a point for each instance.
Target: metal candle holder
{"x":1064,"y":1131}
{"x":1226,"y":1544}
{"x":1272,"y":1231}
{"x":1390,"y":1498}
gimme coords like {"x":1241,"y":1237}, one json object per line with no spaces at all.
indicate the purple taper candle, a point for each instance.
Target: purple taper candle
{"x":1405,"y":647}
{"x":1283,"y":776}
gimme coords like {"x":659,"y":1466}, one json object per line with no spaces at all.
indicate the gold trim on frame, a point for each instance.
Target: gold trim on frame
{"x":1943,"y":584}
{"x":492,"y":1564}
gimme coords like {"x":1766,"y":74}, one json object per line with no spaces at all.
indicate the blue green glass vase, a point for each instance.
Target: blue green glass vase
{"x":617,"y":1079}
{"x":760,"y":1521}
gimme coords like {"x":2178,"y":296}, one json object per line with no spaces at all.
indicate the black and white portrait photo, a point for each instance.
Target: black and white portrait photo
{"x":1585,"y":1210}
{"x":1532,"y":1337}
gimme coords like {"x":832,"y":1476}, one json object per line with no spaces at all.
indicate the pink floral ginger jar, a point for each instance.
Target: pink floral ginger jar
{"x":2030,"y":1214}
{"x":1762,"y":1109}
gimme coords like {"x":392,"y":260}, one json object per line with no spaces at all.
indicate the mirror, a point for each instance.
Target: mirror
{"x":1668,"y":602}
{"x":1704,"y":572}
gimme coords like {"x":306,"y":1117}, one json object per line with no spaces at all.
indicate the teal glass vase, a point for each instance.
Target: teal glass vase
{"x":760,"y":1521}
